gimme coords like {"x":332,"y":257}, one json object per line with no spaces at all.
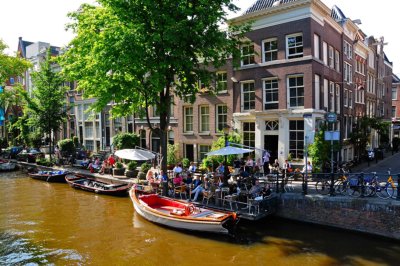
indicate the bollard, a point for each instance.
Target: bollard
{"x":398,"y":189}
{"x":304,"y":185}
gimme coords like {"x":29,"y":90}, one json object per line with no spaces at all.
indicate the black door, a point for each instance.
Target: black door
{"x":271,"y":144}
{"x":189,"y":152}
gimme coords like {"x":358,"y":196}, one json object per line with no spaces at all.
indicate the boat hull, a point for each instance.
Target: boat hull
{"x":98,"y":187}
{"x":60,"y":178}
{"x":9,"y":166}
{"x":200,"y":225}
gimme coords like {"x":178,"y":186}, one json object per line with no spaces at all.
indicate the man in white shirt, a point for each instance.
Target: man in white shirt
{"x":266,"y":157}
{"x":177,"y":169}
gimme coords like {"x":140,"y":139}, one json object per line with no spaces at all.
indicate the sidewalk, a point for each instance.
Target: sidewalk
{"x":374,"y":165}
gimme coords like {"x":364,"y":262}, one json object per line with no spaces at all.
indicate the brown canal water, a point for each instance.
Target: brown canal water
{"x":52,"y":224}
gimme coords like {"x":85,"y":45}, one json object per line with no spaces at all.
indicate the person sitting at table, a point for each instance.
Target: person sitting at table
{"x":150,"y":176}
{"x":192,"y":167}
{"x":202,"y":187}
{"x":94,"y":165}
{"x":256,"y":189}
{"x":178,"y":180}
{"x":220,"y":169}
{"x":107,"y":164}
{"x":177,"y":169}
{"x":85,"y":162}
{"x":189,"y":179}
{"x":196,"y":181}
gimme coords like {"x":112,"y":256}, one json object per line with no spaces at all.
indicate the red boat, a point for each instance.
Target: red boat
{"x":180,"y":214}
{"x":95,"y":186}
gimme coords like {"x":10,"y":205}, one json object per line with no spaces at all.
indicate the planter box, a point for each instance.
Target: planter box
{"x":131,"y":173}
{"x":118,"y":171}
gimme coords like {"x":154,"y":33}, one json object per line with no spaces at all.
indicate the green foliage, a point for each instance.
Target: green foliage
{"x":45,"y":162}
{"x":11,"y":66}
{"x":172,"y":150}
{"x":75,"y":140}
{"x":126,"y":141}
{"x":145,"y":167}
{"x":46,"y":105}
{"x":67,"y":146}
{"x":132,"y":165}
{"x":185,"y":162}
{"x":118,"y":165}
{"x":233,"y":137}
{"x":34,"y":139}
{"x":141,"y":53}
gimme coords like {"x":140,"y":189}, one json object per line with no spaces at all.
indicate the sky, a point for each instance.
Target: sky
{"x":45,"y":20}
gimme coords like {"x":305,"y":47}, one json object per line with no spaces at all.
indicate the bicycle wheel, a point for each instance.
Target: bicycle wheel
{"x":323,"y":187}
{"x":392,"y":190}
{"x":341,"y":187}
{"x":381,"y":190}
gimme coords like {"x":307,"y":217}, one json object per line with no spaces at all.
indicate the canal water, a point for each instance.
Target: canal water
{"x":52,"y":224}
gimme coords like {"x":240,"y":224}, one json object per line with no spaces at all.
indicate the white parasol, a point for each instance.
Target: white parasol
{"x":135,"y":154}
{"x":228,"y":150}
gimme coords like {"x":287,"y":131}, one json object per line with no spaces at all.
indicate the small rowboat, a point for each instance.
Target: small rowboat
{"x":95,"y":186}
{"x":6,"y":165}
{"x":50,"y":176}
{"x":179,"y":214}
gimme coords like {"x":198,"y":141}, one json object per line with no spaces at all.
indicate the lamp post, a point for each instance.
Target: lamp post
{"x":226,"y":171}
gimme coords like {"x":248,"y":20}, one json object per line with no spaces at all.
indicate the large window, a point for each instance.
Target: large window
{"x":222,"y":117}
{"x":337,"y":61}
{"x":348,"y":50}
{"x":316,"y":46}
{"x":331,"y":59}
{"x":296,"y":138}
{"x":203,"y":150}
{"x":188,"y":119}
{"x":296,"y":91}
{"x":394,"y":93}
{"x":248,"y":96}
{"x":332,"y":96}
{"x":270,"y":50}
{"x":348,"y":73}
{"x":271,"y":99}
{"x":221,"y":84}
{"x":143,"y":138}
{"x":204,"y":118}
{"x":393,"y":111}
{"x":337,"y":98}
{"x":294,"y":46}
{"x":88,"y":129}
{"x":249,"y":134}
{"x":248,"y":55}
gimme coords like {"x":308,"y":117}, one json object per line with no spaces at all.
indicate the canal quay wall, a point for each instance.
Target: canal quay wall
{"x":366,"y":215}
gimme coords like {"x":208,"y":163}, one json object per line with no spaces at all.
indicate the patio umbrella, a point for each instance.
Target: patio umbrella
{"x":228,"y":150}
{"x":135,"y":154}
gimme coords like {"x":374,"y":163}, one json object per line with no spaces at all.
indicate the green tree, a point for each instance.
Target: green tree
{"x":46,"y":107}
{"x":319,"y":150}
{"x":233,"y":137}
{"x":139,"y":54}
{"x":126,"y":141}
{"x":10,"y":100}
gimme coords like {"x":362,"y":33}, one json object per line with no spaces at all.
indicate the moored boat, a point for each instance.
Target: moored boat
{"x":50,"y":176}
{"x":6,"y":165}
{"x":181,"y":215}
{"x":92,"y":185}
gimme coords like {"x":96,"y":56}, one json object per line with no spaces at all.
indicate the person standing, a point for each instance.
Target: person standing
{"x":266,"y":157}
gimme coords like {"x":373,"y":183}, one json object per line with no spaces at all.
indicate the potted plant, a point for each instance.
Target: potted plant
{"x":144,"y":168}
{"x":131,"y":171}
{"x":171,"y":156}
{"x":119,"y":169}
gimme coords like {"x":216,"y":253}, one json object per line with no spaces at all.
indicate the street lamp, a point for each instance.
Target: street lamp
{"x":226,"y":170}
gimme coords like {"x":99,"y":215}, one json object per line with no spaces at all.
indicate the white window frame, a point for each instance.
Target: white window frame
{"x":204,"y":118}
{"x":332,"y":96}
{"x":317,"y":46}
{"x":248,"y":58}
{"x":187,"y":123}
{"x":394,"y":93}
{"x":221,"y":84}
{"x":348,"y":50}
{"x":296,"y":46}
{"x":274,"y":91}
{"x":219,"y":125}
{"x":346,"y":98}
{"x":326,"y":96}
{"x":331,"y":57}
{"x":337,"y":61}
{"x":271,"y":52}
{"x":325,"y":53}
{"x":249,"y":136}
{"x":348,"y":72}
{"x":350,"y":99}
{"x":338,"y":98}
{"x":317,"y":91}
{"x":203,"y":150}
{"x":252,"y":95}
{"x":302,"y":87}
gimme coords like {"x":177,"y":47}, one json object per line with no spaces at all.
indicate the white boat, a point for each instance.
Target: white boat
{"x":6,"y":165}
{"x":181,"y":215}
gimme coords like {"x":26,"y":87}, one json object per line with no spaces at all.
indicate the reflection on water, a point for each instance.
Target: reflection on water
{"x":43,"y":223}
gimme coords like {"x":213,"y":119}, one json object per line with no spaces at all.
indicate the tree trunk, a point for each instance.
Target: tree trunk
{"x":50,"y":148}
{"x":164,"y":122}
